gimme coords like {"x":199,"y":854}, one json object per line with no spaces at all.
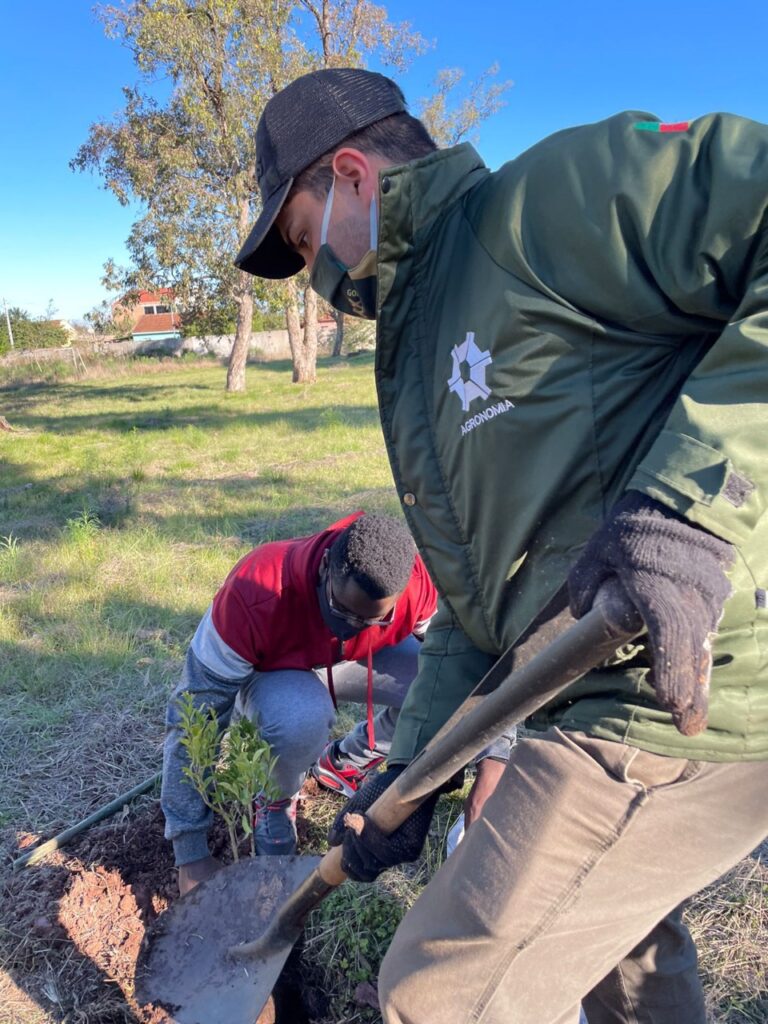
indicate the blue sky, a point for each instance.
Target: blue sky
{"x":570,"y":63}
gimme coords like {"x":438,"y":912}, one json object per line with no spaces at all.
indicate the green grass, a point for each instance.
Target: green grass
{"x":124,"y":502}
{"x":125,"y":499}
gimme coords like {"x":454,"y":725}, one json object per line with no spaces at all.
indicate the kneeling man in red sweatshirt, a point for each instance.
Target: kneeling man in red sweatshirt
{"x":297,"y":624}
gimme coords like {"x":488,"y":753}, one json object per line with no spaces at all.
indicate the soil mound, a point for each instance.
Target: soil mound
{"x":73,"y":926}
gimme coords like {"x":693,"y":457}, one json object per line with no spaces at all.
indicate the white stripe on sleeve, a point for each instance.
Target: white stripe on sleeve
{"x":215,"y":654}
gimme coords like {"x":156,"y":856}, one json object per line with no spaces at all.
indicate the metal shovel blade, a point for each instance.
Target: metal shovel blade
{"x":185,"y":967}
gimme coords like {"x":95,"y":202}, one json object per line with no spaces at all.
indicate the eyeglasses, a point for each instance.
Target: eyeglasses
{"x":349,"y":617}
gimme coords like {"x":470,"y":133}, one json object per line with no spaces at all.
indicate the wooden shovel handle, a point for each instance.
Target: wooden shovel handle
{"x":586,"y":644}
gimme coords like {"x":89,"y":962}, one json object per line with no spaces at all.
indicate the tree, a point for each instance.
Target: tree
{"x":338,"y":33}
{"x":109,"y":318}
{"x":183,"y":145}
{"x":448,"y":124}
{"x":304,"y":355}
{"x":187,"y":156}
{"x":338,"y":340}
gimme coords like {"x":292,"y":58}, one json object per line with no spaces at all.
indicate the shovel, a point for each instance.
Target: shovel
{"x":217,"y":954}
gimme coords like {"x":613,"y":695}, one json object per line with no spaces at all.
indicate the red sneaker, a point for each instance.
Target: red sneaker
{"x":342,"y":777}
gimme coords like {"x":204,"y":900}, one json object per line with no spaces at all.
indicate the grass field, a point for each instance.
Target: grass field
{"x":123,"y":504}
{"x":125,"y":498}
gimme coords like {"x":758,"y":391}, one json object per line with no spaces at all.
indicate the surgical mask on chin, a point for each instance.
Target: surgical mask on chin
{"x":349,"y":289}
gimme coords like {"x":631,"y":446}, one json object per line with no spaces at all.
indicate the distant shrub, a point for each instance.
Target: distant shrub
{"x":29,"y":333}
{"x":359,"y":335}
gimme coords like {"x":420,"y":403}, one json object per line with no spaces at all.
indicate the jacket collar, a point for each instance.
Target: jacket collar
{"x":412,"y":195}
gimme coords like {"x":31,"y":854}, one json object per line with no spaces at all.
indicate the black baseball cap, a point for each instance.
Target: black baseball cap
{"x":306,"y":119}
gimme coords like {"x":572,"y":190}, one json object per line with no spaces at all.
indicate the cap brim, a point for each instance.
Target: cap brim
{"x":264,"y":253}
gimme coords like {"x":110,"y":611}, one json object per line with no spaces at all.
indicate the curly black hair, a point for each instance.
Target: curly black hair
{"x":377,"y":552}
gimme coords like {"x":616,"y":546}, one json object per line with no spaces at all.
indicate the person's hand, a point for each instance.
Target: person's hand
{"x":367,"y":851}
{"x":195,"y":872}
{"x":674,"y":574}
{"x":489,"y":771}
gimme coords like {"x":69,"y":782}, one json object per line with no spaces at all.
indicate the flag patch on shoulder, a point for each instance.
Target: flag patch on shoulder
{"x":659,"y":126}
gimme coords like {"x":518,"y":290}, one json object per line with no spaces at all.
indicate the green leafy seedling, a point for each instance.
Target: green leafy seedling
{"x":227,"y":773}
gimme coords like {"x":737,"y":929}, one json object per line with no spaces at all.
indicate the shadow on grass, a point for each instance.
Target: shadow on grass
{"x":77,"y":391}
{"x":14,"y":478}
{"x":150,"y":382}
{"x":204,"y":417}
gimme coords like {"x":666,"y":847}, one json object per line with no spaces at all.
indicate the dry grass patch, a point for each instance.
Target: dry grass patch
{"x":729,"y":921}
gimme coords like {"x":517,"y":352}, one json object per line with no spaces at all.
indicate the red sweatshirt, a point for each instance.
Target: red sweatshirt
{"x":267,"y":609}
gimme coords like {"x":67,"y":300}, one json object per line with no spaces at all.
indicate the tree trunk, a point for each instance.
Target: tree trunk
{"x":303,"y":344}
{"x":307,"y":372}
{"x":239,"y":354}
{"x":338,"y":341}
{"x":293,"y":323}
{"x":244,"y":299}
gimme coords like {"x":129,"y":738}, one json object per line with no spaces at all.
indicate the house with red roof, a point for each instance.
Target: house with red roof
{"x":152,"y":315}
{"x":155,"y":317}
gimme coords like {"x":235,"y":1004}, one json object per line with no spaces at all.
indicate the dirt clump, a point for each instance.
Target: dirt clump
{"x":101,"y":916}
{"x":74,"y":924}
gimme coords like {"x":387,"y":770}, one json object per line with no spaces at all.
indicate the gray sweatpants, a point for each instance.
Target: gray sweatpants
{"x":294,"y":712}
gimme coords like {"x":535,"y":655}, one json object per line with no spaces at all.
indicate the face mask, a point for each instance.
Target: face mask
{"x":340,"y":627}
{"x":349,"y":289}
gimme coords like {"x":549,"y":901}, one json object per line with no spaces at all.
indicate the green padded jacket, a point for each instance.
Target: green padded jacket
{"x":590,"y":318}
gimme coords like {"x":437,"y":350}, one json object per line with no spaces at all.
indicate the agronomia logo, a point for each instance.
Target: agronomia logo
{"x":467,"y":381}
{"x":468,"y":377}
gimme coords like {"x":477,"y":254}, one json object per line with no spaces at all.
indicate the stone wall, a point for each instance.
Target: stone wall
{"x":265,"y":344}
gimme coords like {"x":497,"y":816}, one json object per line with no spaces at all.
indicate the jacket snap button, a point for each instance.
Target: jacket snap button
{"x":386,"y":185}
{"x":409,"y":499}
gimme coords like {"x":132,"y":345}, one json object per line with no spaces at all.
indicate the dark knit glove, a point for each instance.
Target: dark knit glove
{"x":367,"y":853}
{"x":674,"y":574}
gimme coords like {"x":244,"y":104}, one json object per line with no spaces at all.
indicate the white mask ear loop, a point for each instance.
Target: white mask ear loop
{"x":327,"y":213}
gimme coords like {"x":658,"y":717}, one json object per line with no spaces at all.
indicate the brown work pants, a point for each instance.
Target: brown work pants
{"x":585,"y":846}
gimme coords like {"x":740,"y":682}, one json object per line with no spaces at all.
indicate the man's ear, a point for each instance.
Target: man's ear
{"x":354,"y":167}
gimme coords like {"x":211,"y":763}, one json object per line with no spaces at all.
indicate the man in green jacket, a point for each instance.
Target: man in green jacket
{"x":572,"y":371}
